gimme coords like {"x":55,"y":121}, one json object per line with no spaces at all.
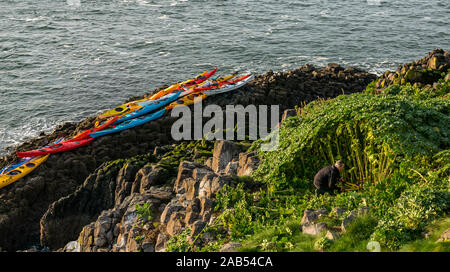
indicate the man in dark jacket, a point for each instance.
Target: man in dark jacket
{"x":325,"y":180}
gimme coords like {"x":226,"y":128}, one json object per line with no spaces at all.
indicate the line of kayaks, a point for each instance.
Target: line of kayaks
{"x":127,"y":116}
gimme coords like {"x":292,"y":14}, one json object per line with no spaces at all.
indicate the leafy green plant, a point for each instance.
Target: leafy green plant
{"x":179,"y":243}
{"x":144,"y":211}
{"x":372,"y":134}
{"x":323,"y":243}
{"x":414,"y":209}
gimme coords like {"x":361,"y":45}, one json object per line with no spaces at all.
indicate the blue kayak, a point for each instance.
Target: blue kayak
{"x":129,"y":124}
{"x":24,"y":160}
{"x":149,"y":106}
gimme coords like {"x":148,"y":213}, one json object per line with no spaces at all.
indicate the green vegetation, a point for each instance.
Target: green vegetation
{"x":179,"y":243}
{"x":396,"y":148}
{"x":429,"y":244}
{"x":144,"y":212}
{"x":197,"y":151}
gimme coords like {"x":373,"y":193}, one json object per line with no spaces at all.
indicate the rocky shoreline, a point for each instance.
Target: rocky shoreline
{"x":93,"y":197}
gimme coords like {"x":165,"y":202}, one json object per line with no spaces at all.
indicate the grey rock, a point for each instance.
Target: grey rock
{"x":363,"y":211}
{"x":333,"y":236}
{"x":230,"y":247}
{"x":314,"y":229}
{"x":311,"y":215}
{"x":348,"y":220}
{"x":161,"y":242}
{"x":248,"y":162}
{"x":223,"y":153}
{"x":172,"y":207}
{"x":148,"y":247}
{"x":338,"y":211}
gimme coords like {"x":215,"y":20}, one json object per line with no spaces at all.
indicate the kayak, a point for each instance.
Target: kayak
{"x":55,"y":148}
{"x":235,"y":84}
{"x":187,"y":100}
{"x":189,"y":83}
{"x":14,"y":172}
{"x":129,"y":124}
{"x":120,"y":110}
{"x":23,"y":160}
{"x":150,"y":105}
{"x":21,"y":171}
{"x":211,"y":82}
{"x":172,"y":88}
{"x":218,"y":85}
{"x":132,"y":106}
{"x":85,"y":134}
{"x":213,"y":89}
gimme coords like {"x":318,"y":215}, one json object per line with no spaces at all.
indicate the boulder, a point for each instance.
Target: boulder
{"x":230,"y":247}
{"x":161,"y":242}
{"x":186,"y":170}
{"x":148,"y":176}
{"x":223,"y":153}
{"x":148,"y":247}
{"x":231,"y":169}
{"x":248,"y":162}
{"x":196,"y":228}
{"x":338,"y":211}
{"x":348,"y":220}
{"x":210,"y":185}
{"x":311,"y":215}
{"x":208,"y":162}
{"x":172,"y":207}
{"x":314,"y":229}
{"x":331,"y":235}
{"x":176,"y":223}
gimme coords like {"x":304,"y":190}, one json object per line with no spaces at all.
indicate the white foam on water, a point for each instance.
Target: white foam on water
{"x":39,"y":18}
{"x":74,"y":3}
{"x":374,"y":2}
{"x":30,"y":129}
{"x":139,"y":2}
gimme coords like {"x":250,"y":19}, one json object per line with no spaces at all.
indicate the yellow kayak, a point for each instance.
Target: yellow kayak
{"x":174,"y":87}
{"x":132,"y":106}
{"x":21,"y":171}
{"x":186,"y":100}
{"x":121,"y":110}
{"x":189,"y":99}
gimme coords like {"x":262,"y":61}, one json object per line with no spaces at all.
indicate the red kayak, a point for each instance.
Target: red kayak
{"x":56,"y":148}
{"x":85,"y":134}
{"x":219,"y":84}
{"x":198,"y":79}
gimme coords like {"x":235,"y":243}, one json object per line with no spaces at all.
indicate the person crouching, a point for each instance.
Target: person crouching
{"x":326,"y":179}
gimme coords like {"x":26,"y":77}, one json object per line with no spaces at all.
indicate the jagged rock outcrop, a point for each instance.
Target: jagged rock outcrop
{"x":107,"y":187}
{"x":188,"y":204}
{"x":422,"y":72}
{"x":122,"y":229}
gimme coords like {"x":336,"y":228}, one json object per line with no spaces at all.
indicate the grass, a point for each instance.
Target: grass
{"x":357,"y":236}
{"x":271,"y":239}
{"x":429,"y":244}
